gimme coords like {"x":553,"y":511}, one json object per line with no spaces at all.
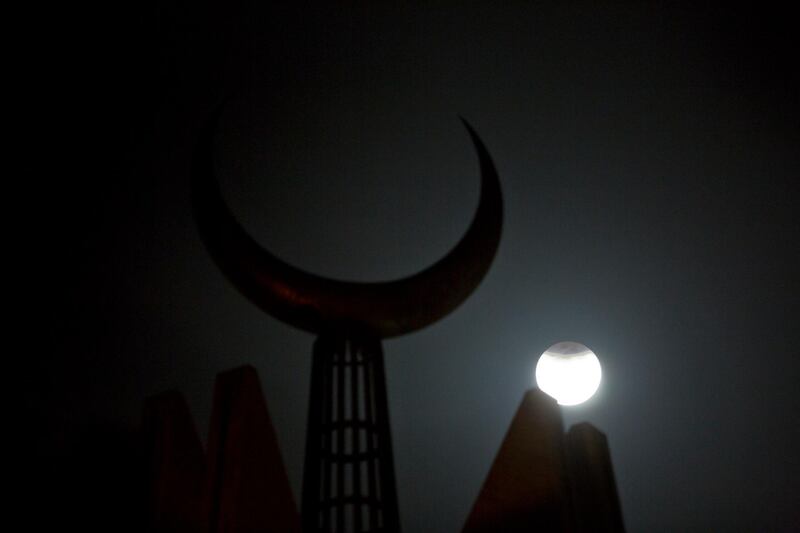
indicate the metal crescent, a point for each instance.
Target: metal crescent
{"x":318,"y":304}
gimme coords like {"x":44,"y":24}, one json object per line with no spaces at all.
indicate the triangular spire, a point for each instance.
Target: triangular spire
{"x":176,"y":463}
{"x":247,"y":488}
{"x":526,"y":488}
{"x":594,"y":491}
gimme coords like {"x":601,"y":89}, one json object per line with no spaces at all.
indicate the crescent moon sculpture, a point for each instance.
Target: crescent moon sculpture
{"x":317,"y":304}
{"x":348,"y":434}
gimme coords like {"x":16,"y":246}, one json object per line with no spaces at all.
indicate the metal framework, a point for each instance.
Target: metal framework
{"x":349,"y":481}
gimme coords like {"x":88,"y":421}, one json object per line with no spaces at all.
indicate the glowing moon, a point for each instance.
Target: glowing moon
{"x":569,"y":372}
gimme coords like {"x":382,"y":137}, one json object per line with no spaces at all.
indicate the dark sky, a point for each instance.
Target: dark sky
{"x":648,"y":156}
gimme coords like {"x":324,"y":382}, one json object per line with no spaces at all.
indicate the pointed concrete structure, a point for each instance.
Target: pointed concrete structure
{"x":526,"y":489}
{"x":594,"y":492}
{"x":247,"y":489}
{"x":176,"y":465}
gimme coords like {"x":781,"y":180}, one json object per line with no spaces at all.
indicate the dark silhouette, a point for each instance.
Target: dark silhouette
{"x":348,"y":480}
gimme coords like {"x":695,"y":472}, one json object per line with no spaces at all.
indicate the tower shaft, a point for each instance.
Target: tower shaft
{"x":348,"y":479}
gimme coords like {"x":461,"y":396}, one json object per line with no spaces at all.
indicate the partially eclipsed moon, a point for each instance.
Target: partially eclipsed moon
{"x":569,"y":372}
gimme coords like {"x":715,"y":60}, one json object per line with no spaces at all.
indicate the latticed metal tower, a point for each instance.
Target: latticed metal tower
{"x":349,"y":482}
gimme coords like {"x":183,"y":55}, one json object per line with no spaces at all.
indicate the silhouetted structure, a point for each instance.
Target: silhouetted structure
{"x":526,"y":488}
{"x":246,"y":487}
{"x":536,"y":483}
{"x":595,"y":501}
{"x":176,"y":464}
{"x":348,"y":483}
{"x":239,"y":485}
{"x":351,"y":481}
{"x":543,"y":480}
{"x":540,"y":480}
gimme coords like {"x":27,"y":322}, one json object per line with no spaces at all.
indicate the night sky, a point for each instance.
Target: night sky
{"x":648,"y":156}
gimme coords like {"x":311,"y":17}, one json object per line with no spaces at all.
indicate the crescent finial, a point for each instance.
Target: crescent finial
{"x":315,"y":303}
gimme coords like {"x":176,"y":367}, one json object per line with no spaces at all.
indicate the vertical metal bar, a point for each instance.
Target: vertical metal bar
{"x":370,"y":451}
{"x":325,"y":493}
{"x":311,"y":469}
{"x":355,"y":434}
{"x":340,"y":424}
{"x":391,"y":513}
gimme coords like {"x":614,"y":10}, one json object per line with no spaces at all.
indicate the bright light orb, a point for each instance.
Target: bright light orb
{"x":569,"y":372}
